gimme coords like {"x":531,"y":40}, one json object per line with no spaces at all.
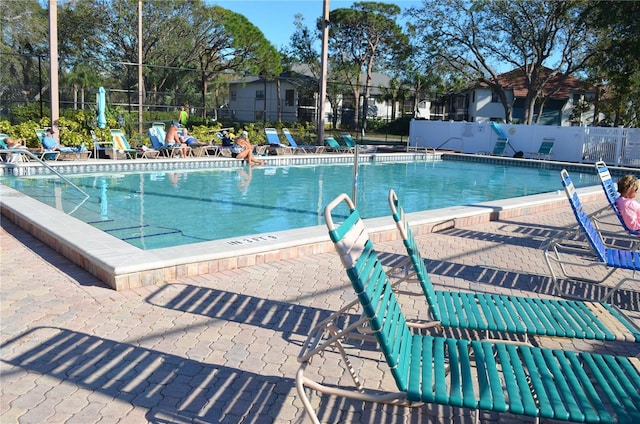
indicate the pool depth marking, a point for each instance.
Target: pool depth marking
{"x":250,"y":240}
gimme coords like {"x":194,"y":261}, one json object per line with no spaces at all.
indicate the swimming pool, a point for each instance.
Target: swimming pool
{"x":152,"y":210}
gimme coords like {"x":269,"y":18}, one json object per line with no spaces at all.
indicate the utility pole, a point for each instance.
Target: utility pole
{"x":140,"y":81}
{"x":323,"y":73}
{"x":53,"y":68}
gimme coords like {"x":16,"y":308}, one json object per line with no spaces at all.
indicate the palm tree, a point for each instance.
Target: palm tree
{"x":395,"y":93}
{"x":81,"y":77}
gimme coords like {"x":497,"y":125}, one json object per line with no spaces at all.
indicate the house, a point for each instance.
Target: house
{"x":293,"y":97}
{"x":567,"y":102}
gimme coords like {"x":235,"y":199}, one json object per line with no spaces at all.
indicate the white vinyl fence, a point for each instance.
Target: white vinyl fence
{"x":615,"y":146}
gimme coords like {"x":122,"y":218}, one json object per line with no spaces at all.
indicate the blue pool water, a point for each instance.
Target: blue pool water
{"x":171,"y":208}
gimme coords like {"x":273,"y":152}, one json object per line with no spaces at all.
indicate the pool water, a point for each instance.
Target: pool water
{"x":162,"y":209}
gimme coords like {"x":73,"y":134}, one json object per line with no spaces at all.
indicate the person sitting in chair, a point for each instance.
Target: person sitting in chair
{"x":173,"y":139}
{"x":627,"y":204}
{"x":242,"y":149}
{"x":15,"y":144}
{"x":51,"y":143}
{"x":226,"y":139}
{"x":190,"y":140}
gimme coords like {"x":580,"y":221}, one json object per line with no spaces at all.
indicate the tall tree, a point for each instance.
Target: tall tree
{"x":395,"y":93}
{"x":478,"y":38}
{"x":186,"y":44}
{"x":615,"y":66}
{"x":228,"y":43}
{"x":362,"y":38}
{"x":24,"y":29}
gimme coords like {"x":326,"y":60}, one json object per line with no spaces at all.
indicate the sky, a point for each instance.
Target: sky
{"x":275,"y":18}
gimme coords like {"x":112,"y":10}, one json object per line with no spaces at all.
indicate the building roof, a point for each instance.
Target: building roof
{"x":515,"y":80}
{"x":303,"y":71}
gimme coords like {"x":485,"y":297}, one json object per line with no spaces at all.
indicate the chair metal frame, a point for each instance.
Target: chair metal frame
{"x":274,"y":142}
{"x":569,"y":253}
{"x":611,"y":193}
{"x":509,"y":313}
{"x":545,"y":150}
{"x":334,"y":146}
{"x":481,"y":375}
{"x":301,"y":148}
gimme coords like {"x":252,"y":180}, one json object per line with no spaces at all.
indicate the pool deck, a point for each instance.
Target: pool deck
{"x":222,"y":346}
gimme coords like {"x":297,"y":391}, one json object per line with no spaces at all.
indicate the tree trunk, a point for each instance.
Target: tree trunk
{"x":356,"y":106}
{"x":204,"y":96}
{"x":541,"y":108}
{"x":529,"y":108}
{"x":75,"y":97}
{"x":278,"y":102}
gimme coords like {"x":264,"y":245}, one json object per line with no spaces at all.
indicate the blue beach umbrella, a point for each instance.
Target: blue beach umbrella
{"x":101,"y":101}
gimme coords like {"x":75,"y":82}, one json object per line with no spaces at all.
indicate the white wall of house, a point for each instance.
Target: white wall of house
{"x":482,"y":109}
{"x":424,"y":110}
{"x":585,"y":119}
{"x":257,"y":101}
{"x":383,"y":110}
{"x":247,"y":103}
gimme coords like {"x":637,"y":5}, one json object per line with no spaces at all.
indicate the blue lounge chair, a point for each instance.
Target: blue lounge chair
{"x":512,"y":314}
{"x":275,"y":146}
{"x":157,"y":138}
{"x":302,"y":148}
{"x":514,"y":378}
{"x":611,"y":193}
{"x":223,"y":149}
{"x":566,"y":255}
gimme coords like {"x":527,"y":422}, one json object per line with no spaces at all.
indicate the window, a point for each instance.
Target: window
{"x":233,"y":95}
{"x":259,"y":94}
{"x":288,"y":98}
{"x":259,"y":115}
{"x":494,"y":97}
{"x":577,"y":98}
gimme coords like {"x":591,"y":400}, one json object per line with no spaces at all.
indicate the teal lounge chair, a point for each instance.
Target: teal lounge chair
{"x":544,"y":151}
{"x":481,"y":375}
{"x":62,"y":152}
{"x":334,"y":146}
{"x":122,"y":146}
{"x":348,"y":140}
{"x":508,"y":313}
{"x":3,"y":146}
{"x":598,"y":254}
{"x":499,"y":148}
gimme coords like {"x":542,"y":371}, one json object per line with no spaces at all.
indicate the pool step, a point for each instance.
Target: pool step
{"x":137,"y":234}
